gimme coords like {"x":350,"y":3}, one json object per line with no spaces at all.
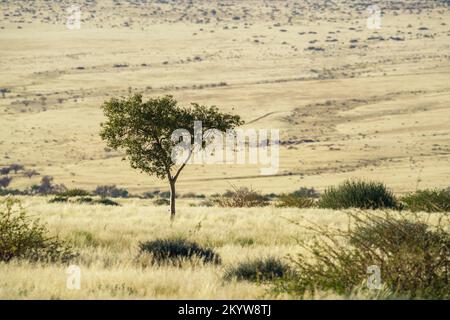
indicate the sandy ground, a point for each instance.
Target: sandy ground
{"x":349,"y":101}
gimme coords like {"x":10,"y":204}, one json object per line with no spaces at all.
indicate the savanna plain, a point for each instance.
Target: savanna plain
{"x":364,"y":164}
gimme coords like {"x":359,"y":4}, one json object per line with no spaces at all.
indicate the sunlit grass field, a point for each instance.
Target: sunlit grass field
{"x":107,"y":240}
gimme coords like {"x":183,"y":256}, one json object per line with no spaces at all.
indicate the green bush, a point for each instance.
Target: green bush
{"x":242,"y":197}
{"x":258,"y":270}
{"x":176,"y":250}
{"x":74,"y":193}
{"x":428,"y":200}
{"x":24,"y":238}
{"x":412,"y":257}
{"x":294,"y":201}
{"x":111,"y":191}
{"x":358,"y":194}
{"x":306,"y":193}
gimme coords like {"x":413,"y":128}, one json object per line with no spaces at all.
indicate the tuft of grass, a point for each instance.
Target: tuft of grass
{"x":258,"y":270}
{"x":175,"y":250}
{"x":358,"y":194}
{"x":412,"y":259}
{"x":428,"y":201}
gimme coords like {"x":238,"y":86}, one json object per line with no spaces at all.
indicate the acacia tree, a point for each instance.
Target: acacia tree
{"x":144,"y":131}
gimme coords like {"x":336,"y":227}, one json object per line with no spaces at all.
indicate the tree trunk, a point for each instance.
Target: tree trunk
{"x":172,"y":199}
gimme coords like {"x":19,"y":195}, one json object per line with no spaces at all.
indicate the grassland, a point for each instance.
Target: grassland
{"x":372,"y":104}
{"x":349,"y":102}
{"x":107,"y":239}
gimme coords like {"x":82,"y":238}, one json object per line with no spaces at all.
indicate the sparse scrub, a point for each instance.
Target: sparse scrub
{"x":75,"y":193}
{"x":306,"y":193}
{"x":428,"y":201}
{"x":242,"y":197}
{"x":175,"y":250}
{"x":25,"y":238}
{"x":293,"y":201}
{"x":358,"y":194}
{"x":111,"y":191}
{"x":411,"y":255}
{"x":47,"y":187}
{"x":258,"y":270}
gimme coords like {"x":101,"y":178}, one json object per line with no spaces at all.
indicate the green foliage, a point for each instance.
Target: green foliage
{"x":74,"y":193}
{"x":428,"y":201}
{"x":293,"y":201}
{"x":176,"y":250}
{"x":22,"y":237}
{"x":111,"y":191}
{"x":358,"y":194}
{"x":412,"y":257}
{"x":242,"y":197}
{"x":261,"y":269}
{"x":144,"y":129}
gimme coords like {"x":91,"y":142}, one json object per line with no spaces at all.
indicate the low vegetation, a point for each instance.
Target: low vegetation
{"x":258,"y":270}
{"x":177,"y":250}
{"x":412,"y":258}
{"x":241,"y":198}
{"x":24,"y":238}
{"x":358,"y":194}
{"x":428,"y":201}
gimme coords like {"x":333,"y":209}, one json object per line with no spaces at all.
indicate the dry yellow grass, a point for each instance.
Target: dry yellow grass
{"x":107,"y":239}
{"x":376,"y":110}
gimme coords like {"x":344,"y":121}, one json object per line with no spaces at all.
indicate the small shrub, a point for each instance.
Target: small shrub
{"x":242,"y":197}
{"x":175,"y":250}
{"x":412,"y":257}
{"x":58,"y":199}
{"x":293,"y":201}
{"x":306,"y":193}
{"x":262,"y":269}
{"x":5,"y":181}
{"x":87,"y":200}
{"x":75,"y":193}
{"x":107,"y":202}
{"x":24,"y":238}
{"x":47,"y":187}
{"x":161,"y":202}
{"x":111,"y":191}
{"x":428,"y":200}
{"x":358,"y":194}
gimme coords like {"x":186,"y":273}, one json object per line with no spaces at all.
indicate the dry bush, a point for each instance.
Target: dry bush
{"x":242,"y":198}
{"x":412,"y":256}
